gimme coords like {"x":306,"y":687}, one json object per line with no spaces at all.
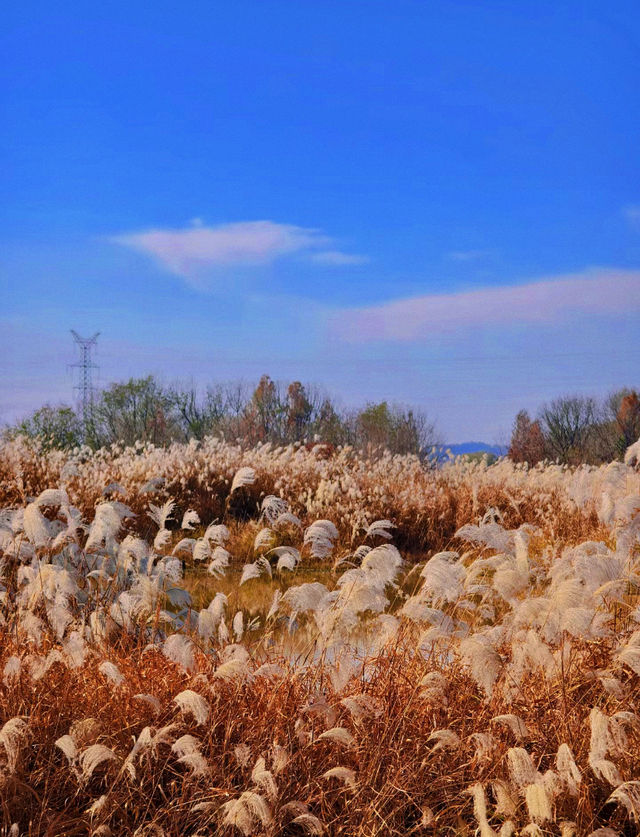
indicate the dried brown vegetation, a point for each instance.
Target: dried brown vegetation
{"x":330,"y":687}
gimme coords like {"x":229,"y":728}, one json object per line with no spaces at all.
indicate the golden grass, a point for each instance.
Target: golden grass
{"x":405,"y":729}
{"x":404,"y":784}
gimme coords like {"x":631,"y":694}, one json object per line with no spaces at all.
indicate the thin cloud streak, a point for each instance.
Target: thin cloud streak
{"x":545,"y":301}
{"x":194,"y":252}
{"x":468,"y":255}
{"x":336,"y":257}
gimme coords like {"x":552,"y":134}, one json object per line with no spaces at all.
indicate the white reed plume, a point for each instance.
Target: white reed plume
{"x":188,"y":749}
{"x":269,"y":670}
{"x":272,"y":508}
{"x":344,"y":667}
{"x":443,"y":577}
{"x":238,"y":625}
{"x":105,"y":526}
{"x":483,"y":661}
{"x":232,"y":670}
{"x":288,"y":558}
{"x":434,"y":686}
{"x":446,"y":739}
{"x":305,"y":597}
{"x":161,"y":540}
{"x":161,"y":514}
{"x":629,"y":654}
{"x":280,"y":758}
{"x":515,"y":724}
{"x":36,"y":526}
{"x":320,"y":537}
{"x":190,"y":519}
{"x":243,"y":476}
{"x":484,"y":744}
{"x":68,"y":746}
{"x":151,"y":700}
{"x":601,"y":743}
{"x":568,"y":769}
{"x":13,"y":735}
{"x":217,"y":534}
{"x":263,"y":778}
{"x":154,"y":484}
{"x":91,"y":758}
{"x":185,"y":545}
{"x":179,"y":649}
{"x":11,"y":670}
{"x":219,"y":562}
{"x":111,"y":672}
{"x":538,"y":803}
{"x":632,"y":455}
{"x":628,"y":794}
{"x":506,"y":798}
{"x":264,"y":539}
{"x":144,"y":741}
{"x":380,"y":529}
{"x":521,"y":768}
{"x":250,"y":571}
{"x":480,"y":810}
{"x":75,"y":649}
{"x":113,"y":488}
{"x":338,"y":734}
{"x":246,"y":812}
{"x":382,"y":564}
{"x":191,"y":703}
{"x":309,"y":823}
{"x":287,"y":519}
{"x":344,"y":774}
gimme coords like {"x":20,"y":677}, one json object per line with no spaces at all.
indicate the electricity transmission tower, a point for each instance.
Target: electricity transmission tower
{"x":85,"y":365}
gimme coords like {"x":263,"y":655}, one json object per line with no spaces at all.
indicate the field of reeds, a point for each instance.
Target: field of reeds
{"x":202,"y":640}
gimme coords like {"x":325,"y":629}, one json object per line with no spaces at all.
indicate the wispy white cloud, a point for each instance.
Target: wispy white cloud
{"x":195,"y":251}
{"x":544,"y":301}
{"x":468,"y":255}
{"x":338,"y":258}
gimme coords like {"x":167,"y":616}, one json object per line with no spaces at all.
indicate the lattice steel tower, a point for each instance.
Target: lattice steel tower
{"x":84,"y":387}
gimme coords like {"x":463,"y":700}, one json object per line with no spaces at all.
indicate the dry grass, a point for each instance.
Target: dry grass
{"x":404,"y":785}
{"x":442,"y":696}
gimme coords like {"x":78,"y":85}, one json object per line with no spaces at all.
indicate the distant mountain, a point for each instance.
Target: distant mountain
{"x":475,"y":447}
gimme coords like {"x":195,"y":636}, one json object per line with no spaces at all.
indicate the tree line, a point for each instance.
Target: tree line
{"x":576,"y":429}
{"x":145,"y":410}
{"x":570,"y":429}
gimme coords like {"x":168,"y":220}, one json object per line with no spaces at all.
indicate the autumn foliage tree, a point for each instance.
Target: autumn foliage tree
{"x":299,"y":411}
{"x":628,"y":419}
{"x":576,"y":429}
{"x":264,"y":412}
{"x":527,"y":440}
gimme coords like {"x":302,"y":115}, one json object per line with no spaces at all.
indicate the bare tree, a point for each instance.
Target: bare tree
{"x":567,"y":424}
{"x":199,"y":416}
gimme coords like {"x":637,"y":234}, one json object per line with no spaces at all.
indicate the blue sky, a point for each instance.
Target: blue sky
{"x":436,"y":203}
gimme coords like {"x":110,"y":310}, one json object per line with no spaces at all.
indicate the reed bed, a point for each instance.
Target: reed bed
{"x":207,"y":640}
